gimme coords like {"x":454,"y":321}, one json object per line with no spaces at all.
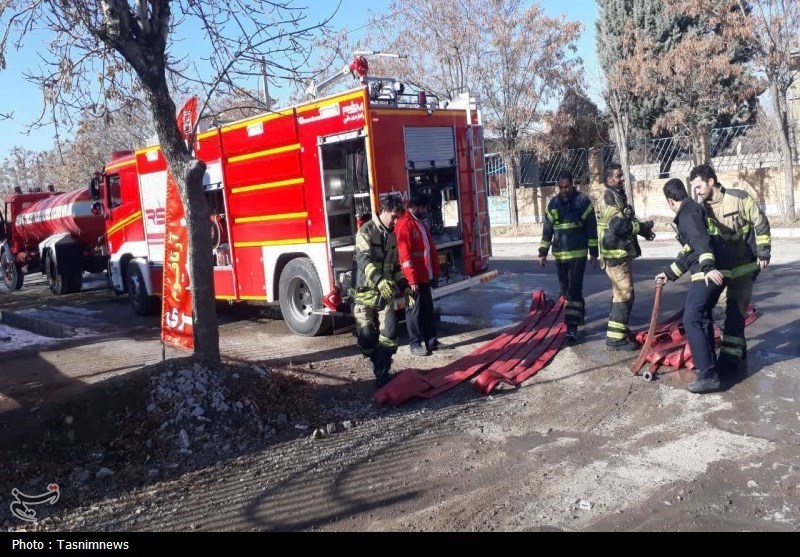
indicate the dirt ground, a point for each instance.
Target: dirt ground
{"x":287,"y":437}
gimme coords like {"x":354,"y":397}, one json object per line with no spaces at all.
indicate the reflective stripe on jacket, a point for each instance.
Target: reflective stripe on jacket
{"x":616,"y":232}
{"x":700,"y":252}
{"x":374,"y":258}
{"x":570,"y":228}
{"x":739,"y":222}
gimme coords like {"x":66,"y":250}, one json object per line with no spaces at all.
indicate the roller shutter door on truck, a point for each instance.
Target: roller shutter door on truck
{"x":430,"y":147}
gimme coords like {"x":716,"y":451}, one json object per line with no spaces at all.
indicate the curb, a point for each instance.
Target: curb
{"x":37,"y":326}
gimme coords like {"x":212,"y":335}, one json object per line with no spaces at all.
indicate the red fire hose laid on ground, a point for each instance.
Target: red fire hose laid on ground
{"x":512,"y":357}
{"x":666,"y":345}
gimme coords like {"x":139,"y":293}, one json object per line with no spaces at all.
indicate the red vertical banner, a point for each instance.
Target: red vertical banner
{"x":187,"y":118}
{"x":176,"y":309}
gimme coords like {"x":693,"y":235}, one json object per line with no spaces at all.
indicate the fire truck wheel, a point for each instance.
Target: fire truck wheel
{"x":56,"y":278}
{"x":142,"y":303}
{"x":76,"y":281}
{"x":299,"y":293}
{"x":12,"y":275}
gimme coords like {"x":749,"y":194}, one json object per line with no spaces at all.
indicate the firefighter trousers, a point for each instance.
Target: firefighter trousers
{"x":419,"y":317}
{"x":570,"y":279}
{"x":377,"y":336}
{"x":740,"y":293}
{"x":621,"y":302}
{"x":699,"y":325}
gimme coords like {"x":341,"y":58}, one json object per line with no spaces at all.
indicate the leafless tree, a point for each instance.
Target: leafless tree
{"x":516,"y":58}
{"x":102,"y":55}
{"x":776,"y":30}
{"x":528,"y":60}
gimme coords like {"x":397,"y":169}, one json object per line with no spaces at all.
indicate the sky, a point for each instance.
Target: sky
{"x":25,"y":100}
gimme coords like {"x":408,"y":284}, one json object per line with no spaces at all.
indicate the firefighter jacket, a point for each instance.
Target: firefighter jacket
{"x":374,"y":258}
{"x":738,"y":221}
{"x":570,"y":227}
{"x":700,"y":250}
{"x":617,"y":227}
{"x":419,"y":259}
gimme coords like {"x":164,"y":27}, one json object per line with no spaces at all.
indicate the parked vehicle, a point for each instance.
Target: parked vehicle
{"x":288,"y":190}
{"x":57,"y":234}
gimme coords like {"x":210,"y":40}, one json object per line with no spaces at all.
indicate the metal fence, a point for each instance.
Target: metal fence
{"x":495,"y":166}
{"x":732,"y":148}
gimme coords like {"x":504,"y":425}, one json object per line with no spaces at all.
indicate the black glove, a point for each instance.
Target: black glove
{"x":627,"y":212}
{"x":646,"y":230}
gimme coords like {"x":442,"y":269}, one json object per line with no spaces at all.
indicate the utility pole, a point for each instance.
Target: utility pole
{"x":265,"y":84}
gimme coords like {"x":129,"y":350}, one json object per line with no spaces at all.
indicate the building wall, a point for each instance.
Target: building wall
{"x":765,"y":184}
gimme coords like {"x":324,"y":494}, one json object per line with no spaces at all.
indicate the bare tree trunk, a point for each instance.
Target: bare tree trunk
{"x":701,"y":152}
{"x":511,"y":161}
{"x":188,"y":173}
{"x":782,"y":126}
{"x":620,"y":130}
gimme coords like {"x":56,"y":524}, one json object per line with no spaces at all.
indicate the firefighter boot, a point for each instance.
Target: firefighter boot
{"x":380,"y":368}
{"x":625,"y":346}
{"x":572,"y":333}
{"x":707,"y":384}
{"x":419,"y":350}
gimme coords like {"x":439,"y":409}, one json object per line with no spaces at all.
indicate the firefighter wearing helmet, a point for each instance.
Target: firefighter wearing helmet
{"x":376,"y":274}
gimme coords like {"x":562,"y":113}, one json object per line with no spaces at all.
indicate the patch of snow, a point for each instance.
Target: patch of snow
{"x":19,"y":338}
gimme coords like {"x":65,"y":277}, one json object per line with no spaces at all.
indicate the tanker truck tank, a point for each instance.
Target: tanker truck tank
{"x":56,"y":234}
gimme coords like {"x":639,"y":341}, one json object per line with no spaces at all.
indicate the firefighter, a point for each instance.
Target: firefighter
{"x":702,"y":255}
{"x":736,"y":218}
{"x":420,"y":263}
{"x":617,"y":228}
{"x":376,"y":274}
{"x":570,"y":227}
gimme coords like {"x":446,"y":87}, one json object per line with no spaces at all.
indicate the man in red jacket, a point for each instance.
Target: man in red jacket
{"x":419,"y":261}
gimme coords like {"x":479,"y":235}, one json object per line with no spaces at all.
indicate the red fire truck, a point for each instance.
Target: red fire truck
{"x":55,"y":233}
{"x":288,"y":189}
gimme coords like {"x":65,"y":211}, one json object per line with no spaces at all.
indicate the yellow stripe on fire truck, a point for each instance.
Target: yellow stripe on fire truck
{"x":269,"y":185}
{"x":267,"y":218}
{"x":118,"y":165}
{"x":288,"y":242}
{"x":124,"y":222}
{"x":267,"y":153}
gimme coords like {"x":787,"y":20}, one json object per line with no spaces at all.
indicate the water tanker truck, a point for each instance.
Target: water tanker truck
{"x":56,"y":234}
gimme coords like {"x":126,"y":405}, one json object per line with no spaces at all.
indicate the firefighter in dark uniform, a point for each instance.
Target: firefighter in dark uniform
{"x":376,"y":274}
{"x":702,"y":256}
{"x":570,"y":228}
{"x":736,"y":218}
{"x":617,"y":228}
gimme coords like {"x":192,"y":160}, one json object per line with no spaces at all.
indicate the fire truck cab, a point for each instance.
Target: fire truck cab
{"x":288,"y":190}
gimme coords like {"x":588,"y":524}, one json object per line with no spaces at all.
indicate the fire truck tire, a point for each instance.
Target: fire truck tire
{"x":141,"y":303}
{"x":76,"y":280}
{"x":59,"y":281}
{"x":12,"y":275}
{"x":299,"y":293}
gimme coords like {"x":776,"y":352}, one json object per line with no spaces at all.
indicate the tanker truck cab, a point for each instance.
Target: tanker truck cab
{"x":134,"y":233}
